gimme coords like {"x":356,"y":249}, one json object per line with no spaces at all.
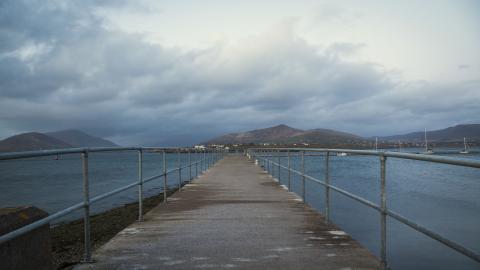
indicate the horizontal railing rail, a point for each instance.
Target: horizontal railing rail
{"x":202,"y":160}
{"x":265,"y":157}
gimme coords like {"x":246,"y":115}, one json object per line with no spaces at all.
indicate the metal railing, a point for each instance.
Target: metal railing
{"x":205,"y":159}
{"x":263,"y":154}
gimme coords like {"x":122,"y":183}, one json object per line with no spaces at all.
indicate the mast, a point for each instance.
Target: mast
{"x":426,"y":142}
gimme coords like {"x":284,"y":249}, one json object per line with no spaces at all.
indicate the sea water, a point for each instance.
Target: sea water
{"x":54,"y":184}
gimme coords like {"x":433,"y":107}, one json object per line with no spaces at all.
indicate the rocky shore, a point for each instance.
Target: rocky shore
{"x":67,"y":238}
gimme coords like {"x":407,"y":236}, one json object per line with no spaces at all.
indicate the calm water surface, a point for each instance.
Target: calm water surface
{"x":53,"y":185}
{"x":443,"y":198}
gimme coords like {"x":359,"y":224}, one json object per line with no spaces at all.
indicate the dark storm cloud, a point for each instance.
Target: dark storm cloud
{"x":60,"y":68}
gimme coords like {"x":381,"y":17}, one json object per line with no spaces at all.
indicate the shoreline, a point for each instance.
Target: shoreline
{"x":67,"y":238}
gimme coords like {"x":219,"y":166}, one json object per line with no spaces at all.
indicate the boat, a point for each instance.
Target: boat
{"x":341,"y":154}
{"x":428,"y":151}
{"x":466,"y":149}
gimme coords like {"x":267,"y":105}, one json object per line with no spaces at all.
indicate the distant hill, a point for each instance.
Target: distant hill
{"x":31,"y":141}
{"x":51,"y":140}
{"x":78,"y":138}
{"x":326,"y":136}
{"x":286,"y":134}
{"x":450,"y":134}
{"x":272,"y":134}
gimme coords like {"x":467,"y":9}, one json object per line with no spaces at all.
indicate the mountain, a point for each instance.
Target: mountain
{"x":52,"y":140}
{"x":31,"y":141}
{"x":272,"y":134}
{"x":78,"y":138}
{"x":450,"y":134}
{"x":286,"y":134}
{"x":328,"y":136}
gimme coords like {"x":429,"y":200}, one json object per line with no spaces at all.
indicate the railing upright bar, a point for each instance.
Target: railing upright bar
{"x":196,"y":163}
{"x":179,"y":164}
{"x":278,"y":159}
{"x":140,"y":185}
{"x":205,"y":160}
{"x":189,"y":166}
{"x":268,"y":162}
{"x":303,"y":176}
{"x":264,"y":161}
{"x":165,"y":187}
{"x":289,"y":168}
{"x":327,"y":188}
{"x":87,"y":256}
{"x":383,"y":214}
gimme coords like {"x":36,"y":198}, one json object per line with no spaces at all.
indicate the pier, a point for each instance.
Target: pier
{"x":230,"y":211}
{"x":233,"y":216}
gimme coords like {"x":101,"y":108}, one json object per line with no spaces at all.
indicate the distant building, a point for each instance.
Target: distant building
{"x":217,"y":145}
{"x":200,"y":147}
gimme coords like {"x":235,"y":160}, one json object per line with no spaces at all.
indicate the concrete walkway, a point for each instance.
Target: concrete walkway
{"x":234,"y":216}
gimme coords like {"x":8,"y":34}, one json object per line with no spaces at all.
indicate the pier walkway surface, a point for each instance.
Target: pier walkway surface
{"x":234,"y":216}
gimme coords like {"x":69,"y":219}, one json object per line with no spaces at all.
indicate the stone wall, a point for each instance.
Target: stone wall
{"x":29,"y":251}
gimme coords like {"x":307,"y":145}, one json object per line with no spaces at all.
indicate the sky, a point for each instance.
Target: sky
{"x":181,"y":72}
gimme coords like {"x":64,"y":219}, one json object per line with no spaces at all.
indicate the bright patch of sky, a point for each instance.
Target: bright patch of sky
{"x":421,"y":40}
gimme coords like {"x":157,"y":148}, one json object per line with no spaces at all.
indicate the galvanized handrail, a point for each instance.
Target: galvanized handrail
{"x":263,"y":155}
{"x":207,"y":157}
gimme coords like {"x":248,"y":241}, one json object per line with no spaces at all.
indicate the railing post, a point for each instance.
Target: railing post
{"x":179,"y":163}
{"x":278,"y":159}
{"x":196,"y":163}
{"x":303,"y":176}
{"x":87,"y":257}
{"x":262,"y":154}
{"x":165,"y":187}
{"x":265,"y":162}
{"x":383,"y":213}
{"x":268,"y":162}
{"x":289,"y":172}
{"x":327,"y":188}
{"x":202,"y":160}
{"x":189,"y":166}
{"x":205,"y":159}
{"x":140,"y":185}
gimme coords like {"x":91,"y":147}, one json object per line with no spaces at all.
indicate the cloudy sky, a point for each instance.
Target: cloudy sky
{"x":179,"y":72}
